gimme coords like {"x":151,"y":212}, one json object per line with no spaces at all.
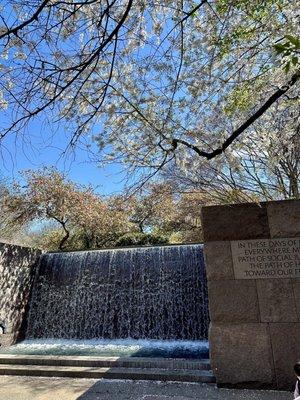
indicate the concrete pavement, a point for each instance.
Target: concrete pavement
{"x":36,"y":388}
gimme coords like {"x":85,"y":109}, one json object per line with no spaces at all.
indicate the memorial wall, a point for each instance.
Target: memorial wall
{"x":252,"y":254}
{"x":277,"y":258}
{"x":17,"y":268}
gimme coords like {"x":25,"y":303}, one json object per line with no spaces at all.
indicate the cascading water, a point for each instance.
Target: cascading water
{"x":152,"y":292}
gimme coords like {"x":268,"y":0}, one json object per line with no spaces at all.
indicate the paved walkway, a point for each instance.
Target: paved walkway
{"x":32,"y":388}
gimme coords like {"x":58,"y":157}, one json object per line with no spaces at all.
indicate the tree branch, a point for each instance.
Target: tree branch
{"x":235,"y":134}
{"x":63,"y":225}
{"x":34,"y":16}
{"x":83,"y":66}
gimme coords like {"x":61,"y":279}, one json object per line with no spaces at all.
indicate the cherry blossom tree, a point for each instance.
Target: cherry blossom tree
{"x":153,"y":208}
{"x":49,"y":196}
{"x":154,"y":79}
{"x":263,"y":166}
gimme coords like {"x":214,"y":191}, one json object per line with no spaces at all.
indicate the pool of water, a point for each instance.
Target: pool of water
{"x":112,"y":348}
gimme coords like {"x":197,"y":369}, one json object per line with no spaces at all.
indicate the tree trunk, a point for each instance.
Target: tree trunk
{"x":65,"y":238}
{"x":141,"y":227}
{"x":294,"y":187}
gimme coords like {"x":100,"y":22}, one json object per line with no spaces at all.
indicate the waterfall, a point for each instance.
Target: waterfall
{"x":152,"y":292}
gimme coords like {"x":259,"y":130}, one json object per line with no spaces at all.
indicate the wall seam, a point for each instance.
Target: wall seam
{"x":295,"y":303}
{"x":258,"y":302}
{"x":272,"y":355}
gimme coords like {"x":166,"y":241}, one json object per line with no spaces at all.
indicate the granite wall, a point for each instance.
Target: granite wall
{"x":255,"y":323}
{"x":17,"y":268}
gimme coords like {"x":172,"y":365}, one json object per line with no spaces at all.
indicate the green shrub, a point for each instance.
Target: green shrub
{"x":141,"y":239}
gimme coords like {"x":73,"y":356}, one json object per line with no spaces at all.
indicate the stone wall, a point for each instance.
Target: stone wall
{"x":255,"y":323}
{"x":17,"y":267}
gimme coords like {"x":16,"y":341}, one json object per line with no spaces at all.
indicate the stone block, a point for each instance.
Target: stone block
{"x":286,"y":351}
{"x":17,"y":268}
{"x":276,"y":300}
{"x":235,"y":222}
{"x":284,"y":218}
{"x":218,"y":260}
{"x":233,"y":301}
{"x":241,"y":355}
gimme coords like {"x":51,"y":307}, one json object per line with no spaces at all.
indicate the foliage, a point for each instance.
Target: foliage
{"x":152,"y":208}
{"x":53,"y":213}
{"x":289,"y":50}
{"x":139,"y":238}
{"x":82,"y":216}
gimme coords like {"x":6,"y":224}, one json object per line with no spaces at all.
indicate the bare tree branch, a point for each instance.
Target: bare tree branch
{"x":35,"y":15}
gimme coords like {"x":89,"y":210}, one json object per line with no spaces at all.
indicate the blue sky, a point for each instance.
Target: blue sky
{"x":40,"y":147}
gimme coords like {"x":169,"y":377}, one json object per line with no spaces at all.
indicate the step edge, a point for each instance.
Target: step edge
{"x":139,"y":375}
{"x":96,"y":369}
{"x":94,"y":358}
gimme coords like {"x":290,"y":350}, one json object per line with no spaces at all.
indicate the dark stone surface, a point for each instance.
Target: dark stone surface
{"x":233,"y":301}
{"x":218,"y":261}
{"x":235,"y":222}
{"x":286,"y":352}
{"x":284,"y":218}
{"x":246,"y":354}
{"x":241,"y":355}
{"x":17,"y":268}
{"x":276,"y":300}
